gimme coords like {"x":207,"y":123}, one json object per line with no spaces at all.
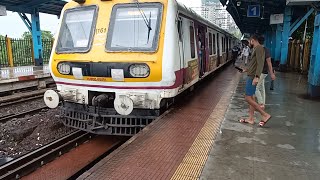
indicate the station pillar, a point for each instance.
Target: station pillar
{"x":267,"y":42}
{"x":36,"y":37}
{"x":314,"y":71}
{"x":277,"y":49}
{"x":273,"y":42}
{"x":285,"y":38}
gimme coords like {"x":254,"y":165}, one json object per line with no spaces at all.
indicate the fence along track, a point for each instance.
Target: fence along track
{"x":22,"y":51}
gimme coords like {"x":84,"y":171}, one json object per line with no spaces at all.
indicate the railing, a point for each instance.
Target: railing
{"x":3,"y":53}
{"x":19,"y":52}
{"x":299,"y":55}
{"x":46,"y":49}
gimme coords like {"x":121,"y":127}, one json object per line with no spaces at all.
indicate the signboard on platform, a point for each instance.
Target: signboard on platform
{"x":3,"y":11}
{"x":276,"y":18}
{"x":253,"y":11}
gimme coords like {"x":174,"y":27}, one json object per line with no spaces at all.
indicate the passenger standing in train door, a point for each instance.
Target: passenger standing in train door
{"x":200,"y":55}
{"x":254,"y":71}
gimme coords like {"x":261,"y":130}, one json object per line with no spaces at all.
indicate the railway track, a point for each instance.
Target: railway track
{"x":27,"y":163}
{"x":20,"y":100}
{"x":16,"y":115}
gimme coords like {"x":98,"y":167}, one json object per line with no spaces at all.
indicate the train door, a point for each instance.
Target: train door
{"x":227,"y":49}
{"x":202,"y":49}
{"x":181,"y":49}
{"x":218,"y":50}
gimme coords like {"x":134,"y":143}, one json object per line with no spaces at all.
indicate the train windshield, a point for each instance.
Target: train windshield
{"x":77,"y":29}
{"x":134,"y":27}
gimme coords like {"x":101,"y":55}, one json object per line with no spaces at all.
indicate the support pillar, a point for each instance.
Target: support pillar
{"x":285,"y":38}
{"x":36,"y":37}
{"x":314,"y":71}
{"x":277,"y":49}
{"x":273,"y":42}
{"x":268,"y":39}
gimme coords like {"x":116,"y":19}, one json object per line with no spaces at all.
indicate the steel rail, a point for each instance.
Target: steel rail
{"x":10,"y":116}
{"x":27,"y":163}
{"x":20,"y":100}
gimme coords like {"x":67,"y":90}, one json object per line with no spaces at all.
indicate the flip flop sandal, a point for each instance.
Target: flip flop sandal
{"x":244,"y":121}
{"x":263,"y":123}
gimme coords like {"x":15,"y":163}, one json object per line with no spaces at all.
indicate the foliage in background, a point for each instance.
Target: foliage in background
{"x":298,"y":34}
{"x":237,"y":34}
{"x":44,"y":35}
{"x":22,"y":51}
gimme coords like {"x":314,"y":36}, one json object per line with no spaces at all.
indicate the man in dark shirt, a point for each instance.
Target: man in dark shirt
{"x":235,"y":53}
{"x":253,"y":72}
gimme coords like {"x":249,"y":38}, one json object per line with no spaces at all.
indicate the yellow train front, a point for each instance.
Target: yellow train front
{"x":116,"y":63}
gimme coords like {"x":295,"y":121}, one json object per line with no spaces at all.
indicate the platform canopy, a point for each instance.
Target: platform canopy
{"x":27,"y":6}
{"x":254,"y":15}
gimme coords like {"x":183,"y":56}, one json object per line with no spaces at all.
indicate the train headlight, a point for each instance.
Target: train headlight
{"x":64,"y":68}
{"x":139,"y":70}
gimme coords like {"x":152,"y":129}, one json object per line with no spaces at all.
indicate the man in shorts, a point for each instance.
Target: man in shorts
{"x":254,"y":71}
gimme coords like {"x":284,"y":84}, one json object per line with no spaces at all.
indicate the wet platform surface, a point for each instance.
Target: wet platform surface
{"x":166,"y":148}
{"x":202,"y":138}
{"x":287,"y":148}
{"x":22,"y":71}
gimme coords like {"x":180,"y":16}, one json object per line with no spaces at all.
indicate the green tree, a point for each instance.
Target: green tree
{"x":44,"y":34}
{"x":298,"y":34}
{"x":237,"y":34}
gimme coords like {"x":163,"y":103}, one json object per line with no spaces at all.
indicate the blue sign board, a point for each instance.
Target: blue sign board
{"x":253,"y":11}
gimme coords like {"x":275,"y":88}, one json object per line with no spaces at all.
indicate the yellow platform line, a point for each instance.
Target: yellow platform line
{"x":196,"y":157}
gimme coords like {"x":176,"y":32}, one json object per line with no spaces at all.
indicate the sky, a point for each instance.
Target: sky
{"x":13,"y":26}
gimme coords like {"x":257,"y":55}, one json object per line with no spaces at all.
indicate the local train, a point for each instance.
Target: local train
{"x":117,"y":63}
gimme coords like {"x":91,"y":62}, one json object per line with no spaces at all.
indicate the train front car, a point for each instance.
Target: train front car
{"x":112,"y":68}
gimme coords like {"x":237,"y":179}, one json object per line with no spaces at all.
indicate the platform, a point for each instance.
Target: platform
{"x":13,"y":78}
{"x":201,"y":138}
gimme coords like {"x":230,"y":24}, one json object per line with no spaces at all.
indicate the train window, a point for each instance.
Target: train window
{"x":227,"y":45}
{"x":214,"y":44}
{"x":179,"y":26}
{"x":222,"y":43}
{"x":210,"y":43}
{"x":134,"y":27}
{"x":77,"y":29}
{"x":192,"y":43}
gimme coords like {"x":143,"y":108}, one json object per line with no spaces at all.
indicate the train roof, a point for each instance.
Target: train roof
{"x":192,"y":14}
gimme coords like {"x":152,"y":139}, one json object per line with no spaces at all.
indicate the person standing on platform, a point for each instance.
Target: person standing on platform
{"x":235,"y":54}
{"x":260,"y":91}
{"x":245,"y":54}
{"x":254,"y":72}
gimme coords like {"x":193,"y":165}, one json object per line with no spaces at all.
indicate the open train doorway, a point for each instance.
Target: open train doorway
{"x":202,"y":49}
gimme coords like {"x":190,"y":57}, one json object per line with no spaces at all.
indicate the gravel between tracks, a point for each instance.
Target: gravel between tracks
{"x":22,"y":135}
{"x":20,"y":107}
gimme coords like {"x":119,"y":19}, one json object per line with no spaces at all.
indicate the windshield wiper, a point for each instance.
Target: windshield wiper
{"x":146,"y":21}
{"x":149,"y":28}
